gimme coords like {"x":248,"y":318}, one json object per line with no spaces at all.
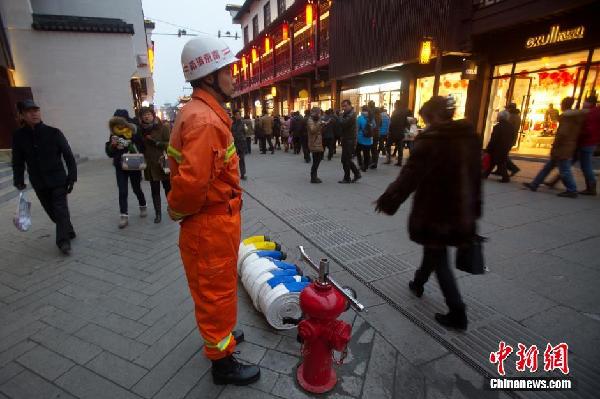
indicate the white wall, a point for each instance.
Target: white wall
{"x":78,"y":79}
{"x":129,"y":11}
{"x":257,"y":9}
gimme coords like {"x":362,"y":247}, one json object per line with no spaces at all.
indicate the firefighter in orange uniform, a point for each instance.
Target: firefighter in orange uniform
{"x":206,"y":198}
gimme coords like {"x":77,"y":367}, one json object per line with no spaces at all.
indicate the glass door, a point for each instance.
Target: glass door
{"x":521,"y":97}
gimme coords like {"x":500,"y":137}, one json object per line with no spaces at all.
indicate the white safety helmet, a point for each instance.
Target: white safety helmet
{"x":204,"y":55}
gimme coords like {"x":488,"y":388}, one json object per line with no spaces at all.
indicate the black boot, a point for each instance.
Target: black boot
{"x":590,"y":189}
{"x":456,"y":319}
{"x":416,"y":289}
{"x":158,"y":217}
{"x":230,"y":371}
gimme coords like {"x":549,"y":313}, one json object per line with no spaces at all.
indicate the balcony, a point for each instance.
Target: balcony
{"x":289,"y":56}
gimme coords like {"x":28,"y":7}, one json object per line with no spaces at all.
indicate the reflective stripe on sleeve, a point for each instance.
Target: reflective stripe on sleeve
{"x":174,"y":153}
{"x":230,"y":152}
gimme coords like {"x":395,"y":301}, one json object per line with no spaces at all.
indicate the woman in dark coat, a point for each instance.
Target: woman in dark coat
{"x":444,"y":171}
{"x":501,"y":141}
{"x":156,"y":140}
{"x":124,"y":139}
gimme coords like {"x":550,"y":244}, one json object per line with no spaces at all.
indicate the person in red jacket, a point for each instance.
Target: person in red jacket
{"x":588,"y":140}
{"x":206,"y":197}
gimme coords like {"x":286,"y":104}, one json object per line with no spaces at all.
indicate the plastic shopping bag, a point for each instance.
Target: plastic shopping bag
{"x":22,"y":219}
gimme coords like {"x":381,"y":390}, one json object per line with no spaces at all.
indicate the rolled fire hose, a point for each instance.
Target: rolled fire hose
{"x":260,"y":246}
{"x":282,"y":301}
{"x":267,"y":286}
{"x":255,"y":255}
{"x":253,"y":239}
{"x":250,"y":272}
{"x":255,"y":285}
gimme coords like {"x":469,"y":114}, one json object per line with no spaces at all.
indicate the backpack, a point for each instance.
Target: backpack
{"x":370,"y":128}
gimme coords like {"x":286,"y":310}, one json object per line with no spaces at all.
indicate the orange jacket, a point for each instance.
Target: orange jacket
{"x":202,"y":158}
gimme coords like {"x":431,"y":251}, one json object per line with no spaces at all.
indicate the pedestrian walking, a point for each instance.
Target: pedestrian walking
{"x":347,"y":123}
{"x":42,"y":149}
{"x":124,"y":139}
{"x":296,"y":131}
{"x":398,"y":126}
{"x":375,"y":122}
{"x":588,"y":141}
{"x":563,"y":149}
{"x":277,"y":131}
{"x":238,"y":129}
{"x":365,"y":139}
{"x":156,"y":140}
{"x":383,"y":132}
{"x":304,"y":136}
{"x":329,"y":126}
{"x":315,"y":142}
{"x":249,"y":132}
{"x":444,"y":174}
{"x":501,"y":141}
{"x":206,"y":199}
{"x":266,"y":123}
{"x":285,"y":133}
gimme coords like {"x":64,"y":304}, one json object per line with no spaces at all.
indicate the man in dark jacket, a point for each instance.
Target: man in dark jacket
{"x":238,"y":129}
{"x":444,"y":172}
{"x":42,"y":149}
{"x":347,"y":124}
{"x":328,"y":131}
{"x":398,"y":125}
{"x":503,"y":137}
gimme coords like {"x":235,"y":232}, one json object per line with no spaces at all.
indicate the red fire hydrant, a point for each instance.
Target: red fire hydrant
{"x":321,"y":333}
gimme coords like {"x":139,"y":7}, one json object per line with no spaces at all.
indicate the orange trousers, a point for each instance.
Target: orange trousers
{"x":209,"y":246}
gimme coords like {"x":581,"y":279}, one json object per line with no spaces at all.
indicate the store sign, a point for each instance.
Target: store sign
{"x":555,"y":36}
{"x":469,"y":70}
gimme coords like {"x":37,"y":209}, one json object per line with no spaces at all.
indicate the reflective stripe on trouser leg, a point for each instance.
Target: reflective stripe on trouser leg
{"x":209,"y":246}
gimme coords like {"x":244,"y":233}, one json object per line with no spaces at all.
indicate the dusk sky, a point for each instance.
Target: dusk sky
{"x":200,"y":15}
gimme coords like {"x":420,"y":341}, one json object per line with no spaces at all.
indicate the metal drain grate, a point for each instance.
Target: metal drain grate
{"x":288,"y":213}
{"x":379,"y":267}
{"x":320,"y":227}
{"x":335,"y":238}
{"x":307,"y":218}
{"x":354,"y":251}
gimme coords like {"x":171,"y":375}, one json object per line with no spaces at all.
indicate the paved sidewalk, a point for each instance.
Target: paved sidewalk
{"x":115,"y":319}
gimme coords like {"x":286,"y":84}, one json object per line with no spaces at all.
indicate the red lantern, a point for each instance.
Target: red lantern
{"x":554,"y":76}
{"x":267,"y":44}
{"x":309,"y":14}
{"x":285,"y":31}
{"x":456,"y":85}
{"x":447,"y":84}
{"x":464,"y":83}
{"x":254,"y":55}
{"x":543,"y":75}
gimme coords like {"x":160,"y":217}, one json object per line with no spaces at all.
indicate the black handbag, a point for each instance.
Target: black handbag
{"x":470,"y":258}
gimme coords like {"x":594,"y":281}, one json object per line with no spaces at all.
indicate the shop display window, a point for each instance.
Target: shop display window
{"x":450,"y":84}
{"x":383,"y":95}
{"x":539,"y":86}
{"x":503,"y":70}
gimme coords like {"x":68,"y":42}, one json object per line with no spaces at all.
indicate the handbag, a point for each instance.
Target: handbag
{"x":469,"y":258}
{"x":133,"y":162}
{"x":164,"y":163}
{"x":486,"y":161}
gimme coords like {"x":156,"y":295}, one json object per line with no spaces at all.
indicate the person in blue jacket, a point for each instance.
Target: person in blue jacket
{"x":365,"y":139}
{"x":383,"y":131}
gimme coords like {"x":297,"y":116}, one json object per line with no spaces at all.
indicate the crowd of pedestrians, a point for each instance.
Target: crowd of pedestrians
{"x":317,"y":134}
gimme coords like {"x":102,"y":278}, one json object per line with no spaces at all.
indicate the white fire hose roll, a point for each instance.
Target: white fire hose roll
{"x":282,"y":301}
{"x":256,"y":285}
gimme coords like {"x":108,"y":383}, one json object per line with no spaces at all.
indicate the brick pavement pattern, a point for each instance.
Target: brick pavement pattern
{"x":115,"y":319}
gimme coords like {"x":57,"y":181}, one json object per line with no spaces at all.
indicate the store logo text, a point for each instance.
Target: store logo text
{"x":555,"y":36}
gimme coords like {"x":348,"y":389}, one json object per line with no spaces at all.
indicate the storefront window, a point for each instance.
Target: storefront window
{"x":383,"y":95}
{"x":500,"y":70}
{"x":538,"y":88}
{"x":592,"y":82}
{"x":553,"y":62}
{"x":450,"y":84}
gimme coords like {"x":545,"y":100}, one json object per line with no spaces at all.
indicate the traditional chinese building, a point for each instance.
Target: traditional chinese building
{"x":284,"y":64}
